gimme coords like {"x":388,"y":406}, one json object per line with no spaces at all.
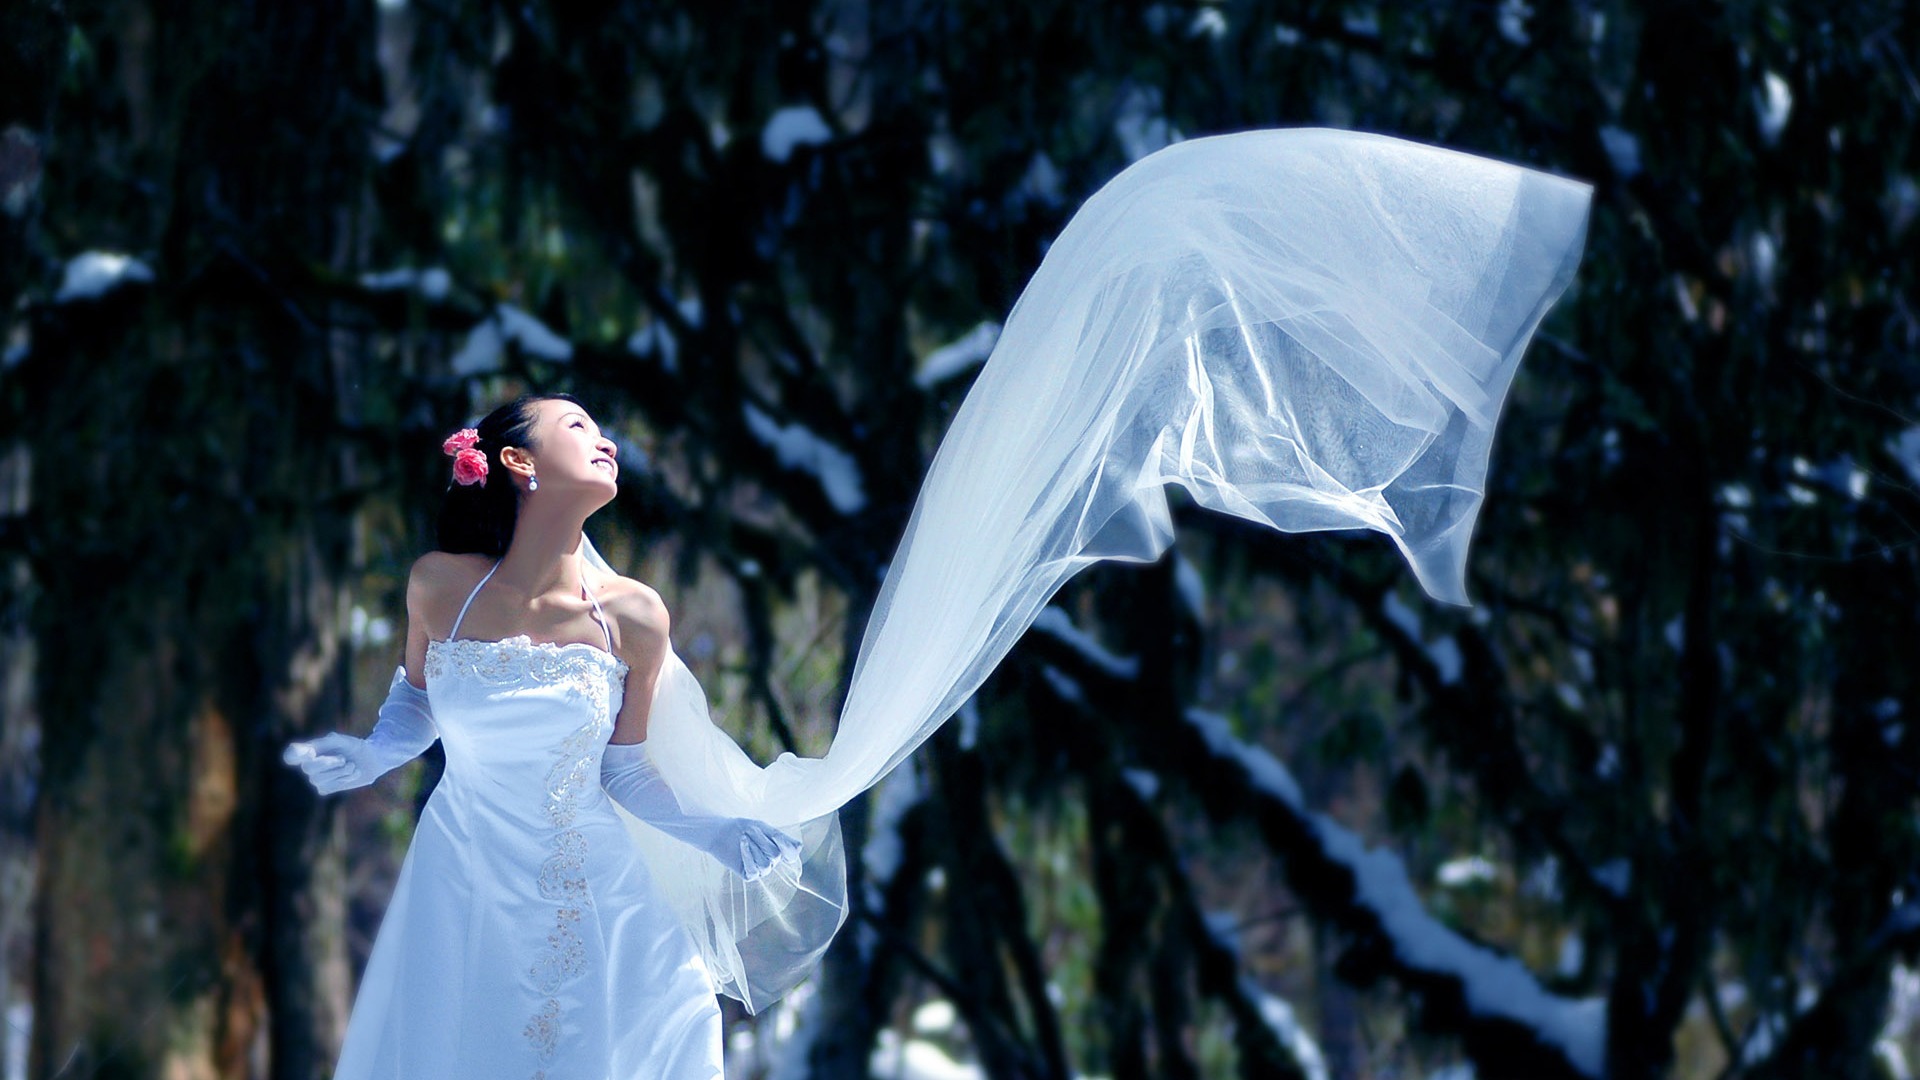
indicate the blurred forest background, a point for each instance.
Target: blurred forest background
{"x":1651,"y":802}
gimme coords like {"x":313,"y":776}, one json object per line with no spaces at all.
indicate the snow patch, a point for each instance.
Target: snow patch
{"x":1615,"y":876}
{"x":916,"y":1059}
{"x":433,"y":283}
{"x":792,"y":127}
{"x":1466,"y":870}
{"x":968,"y":351}
{"x":1512,"y":17}
{"x":485,"y":347}
{"x":1142,"y":781}
{"x":970,"y":723}
{"x":19,"y":1036}
{"x":1905,"y":449}
{"x":1494,"y":985}
{"x":1056,"y":623}
{"x":796,"y":1024}
{"x":1444,"y":653}
{"x":1140,"y":125}
{"x":1623,"y":149}
{"x":533,"y":336}
{"x":1042,"y":182}
{"x":935,"y":1017}
{"x":91,"y":275}
{"x":1286,"y":1027}
{"x":1266,"y":771}
{"x":1063,"y":685}
{"x":1208,"y":22}
{"x":1774,"y":104}
{"x":1191,"y":587}
{"x":1400,"y":615}
{"x":898,"y":793}
{"x":799,"y":448}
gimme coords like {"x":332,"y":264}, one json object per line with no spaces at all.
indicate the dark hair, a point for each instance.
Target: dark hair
{"x":479,"y":518}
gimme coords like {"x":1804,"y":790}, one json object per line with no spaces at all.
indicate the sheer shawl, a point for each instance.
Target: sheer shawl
{"x":1308,"y":329}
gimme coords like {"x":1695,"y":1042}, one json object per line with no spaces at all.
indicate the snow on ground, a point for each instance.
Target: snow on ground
{"x":969,"y":351}
{"x":792,"y":127}
{"x":799,"y":448}
{"x":93,"y":274}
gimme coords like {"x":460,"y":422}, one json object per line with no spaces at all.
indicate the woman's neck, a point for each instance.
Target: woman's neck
{"x":544,"y":556}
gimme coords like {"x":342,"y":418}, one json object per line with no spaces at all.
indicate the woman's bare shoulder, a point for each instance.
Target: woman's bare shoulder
{"x":635,"y":608}
{"x":438,"y":575}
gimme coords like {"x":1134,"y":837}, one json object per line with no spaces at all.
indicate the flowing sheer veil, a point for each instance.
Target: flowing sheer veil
{"x":1308,"y":329}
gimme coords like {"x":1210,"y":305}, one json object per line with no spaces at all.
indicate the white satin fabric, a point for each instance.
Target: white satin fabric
{"x":526,"y":940}
{"x":1308,"y":329}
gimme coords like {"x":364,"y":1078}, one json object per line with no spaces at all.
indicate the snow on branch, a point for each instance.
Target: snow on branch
{"x":1499,"y":1009}
{"x":968,"y":352}
{"x":792,"y":127}
{"x":433,"y":283}
{"x":93,"y":274}
{"x":1057,"y":623}
{"x":801,"y":449}
{"x":485,"y":349}
{"x":1491,"y":985}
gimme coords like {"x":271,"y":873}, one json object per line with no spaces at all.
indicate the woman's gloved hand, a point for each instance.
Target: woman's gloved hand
{"x":336,"y":762}
{"x":748,"y":848}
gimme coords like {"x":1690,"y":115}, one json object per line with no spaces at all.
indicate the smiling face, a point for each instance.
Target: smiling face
{"x":568,"y":454}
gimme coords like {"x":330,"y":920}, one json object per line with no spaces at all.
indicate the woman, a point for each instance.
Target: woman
{"x":525,"y":939}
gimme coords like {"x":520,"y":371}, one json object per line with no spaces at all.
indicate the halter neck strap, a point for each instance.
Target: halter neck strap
{"x":599,"y":613}
{"x":458,"y":619}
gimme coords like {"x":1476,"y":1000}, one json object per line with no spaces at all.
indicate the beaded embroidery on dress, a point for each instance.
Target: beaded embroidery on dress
{"x":525,"y":939}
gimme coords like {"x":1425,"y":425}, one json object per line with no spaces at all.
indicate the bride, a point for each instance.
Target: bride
{"x":525,"y":937}
{"x":1307,"y":329}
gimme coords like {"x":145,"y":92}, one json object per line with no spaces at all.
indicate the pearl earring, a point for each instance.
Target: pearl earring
{"x":533,"y":484}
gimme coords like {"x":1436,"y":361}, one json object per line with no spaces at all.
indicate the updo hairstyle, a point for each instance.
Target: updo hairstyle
{"x":479,"y":518}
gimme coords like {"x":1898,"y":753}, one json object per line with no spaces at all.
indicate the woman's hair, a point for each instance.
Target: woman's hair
{"x":479,"y":518}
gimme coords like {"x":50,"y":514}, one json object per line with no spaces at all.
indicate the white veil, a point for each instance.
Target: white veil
{"x":1308,"y":329}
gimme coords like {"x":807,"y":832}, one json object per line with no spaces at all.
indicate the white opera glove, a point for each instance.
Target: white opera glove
{"x":336,"y":762}
{"x":748,"y":848}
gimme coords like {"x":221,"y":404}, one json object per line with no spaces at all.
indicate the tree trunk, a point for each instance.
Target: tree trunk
{"x":188,"y":916}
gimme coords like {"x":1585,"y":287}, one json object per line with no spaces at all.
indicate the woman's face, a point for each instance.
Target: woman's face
{"x":570,"y":454}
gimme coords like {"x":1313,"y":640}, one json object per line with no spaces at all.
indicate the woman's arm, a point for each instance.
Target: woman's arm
{"x":640,"y":626}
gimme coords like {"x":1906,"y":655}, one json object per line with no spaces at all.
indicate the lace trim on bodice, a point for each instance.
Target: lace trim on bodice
{"x":520,"y":657}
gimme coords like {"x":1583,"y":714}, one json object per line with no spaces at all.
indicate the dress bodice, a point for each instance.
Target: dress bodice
{"x":526,"y":719}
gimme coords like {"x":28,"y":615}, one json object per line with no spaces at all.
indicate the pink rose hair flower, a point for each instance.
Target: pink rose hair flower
{"x":464,"y":439}
{"x":469,"y":467}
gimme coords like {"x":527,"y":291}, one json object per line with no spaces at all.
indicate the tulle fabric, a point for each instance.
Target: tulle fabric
{"x":1308,"y":329}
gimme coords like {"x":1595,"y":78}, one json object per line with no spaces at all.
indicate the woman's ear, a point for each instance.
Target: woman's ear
{"x":517,"y":460}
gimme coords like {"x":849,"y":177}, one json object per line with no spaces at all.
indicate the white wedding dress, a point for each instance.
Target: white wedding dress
{"x":525,"y":939}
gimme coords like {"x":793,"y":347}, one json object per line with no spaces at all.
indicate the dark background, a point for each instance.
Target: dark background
{"x":1669,"y":761}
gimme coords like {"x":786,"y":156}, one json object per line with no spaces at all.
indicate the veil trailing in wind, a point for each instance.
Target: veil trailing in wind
{"x":1308,"y":329}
